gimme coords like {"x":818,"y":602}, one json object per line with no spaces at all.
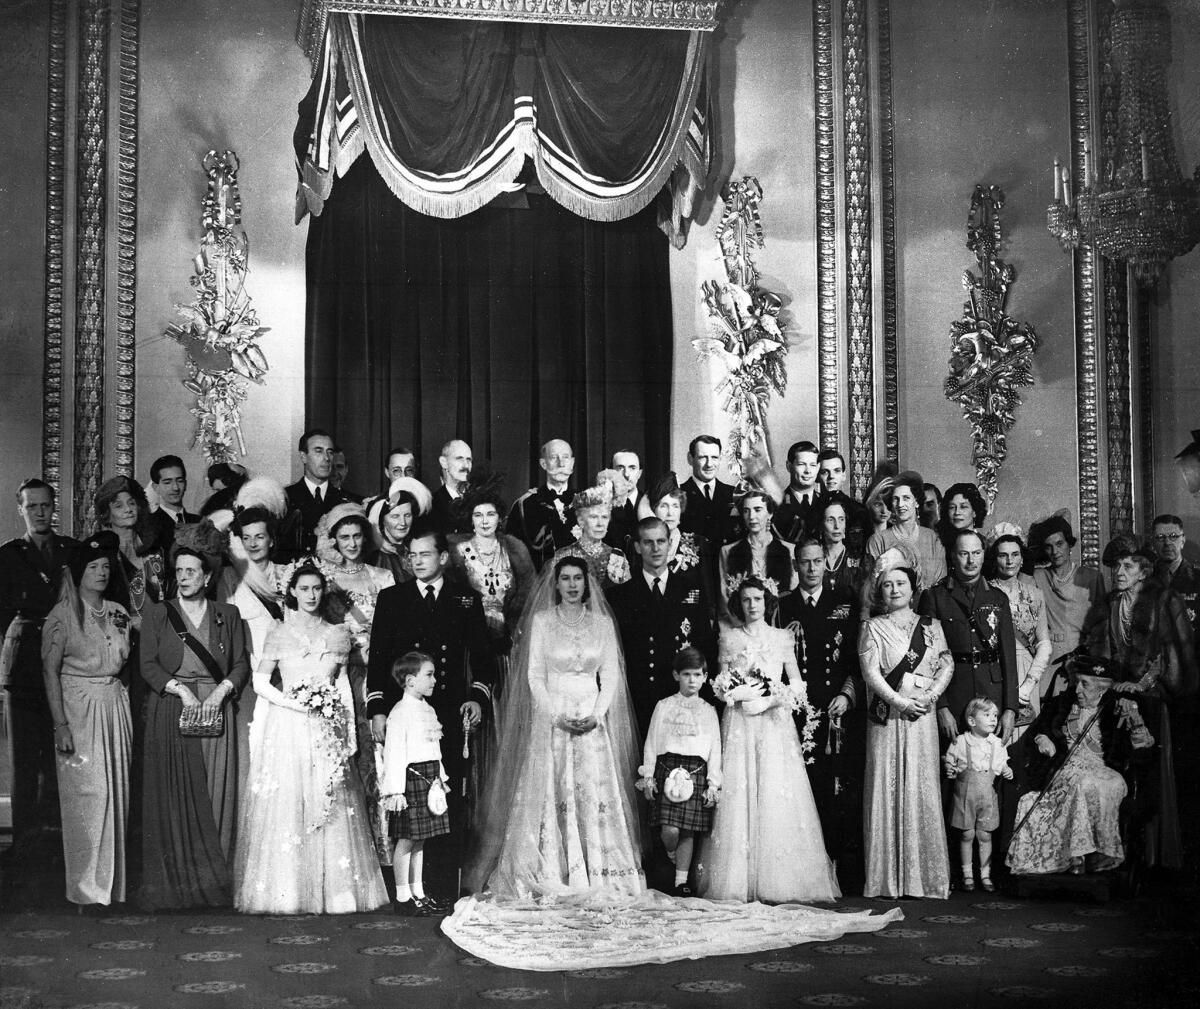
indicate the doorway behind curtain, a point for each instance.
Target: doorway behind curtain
{"x":507,"y":327}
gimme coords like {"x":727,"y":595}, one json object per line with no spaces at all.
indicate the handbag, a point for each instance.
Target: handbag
{"x":679,"y":785}
{"x":194,"y":721}
{"x":435,"y":799}
{"x":879,"y":710}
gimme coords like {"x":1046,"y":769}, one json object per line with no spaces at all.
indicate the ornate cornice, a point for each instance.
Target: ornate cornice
{"x":887,"y":229}
{"x":91,"y":208}
{"x":127,"y":202}
{"x":827,"y":342}
{"x":56,"y":178}
{"x":857,"y":134}
{"x":690,"y":15}
{"x":1086,"y":283}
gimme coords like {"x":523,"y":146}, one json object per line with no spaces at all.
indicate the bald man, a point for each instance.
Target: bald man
{"x":456,"y":462}
{"x":541,"y":517}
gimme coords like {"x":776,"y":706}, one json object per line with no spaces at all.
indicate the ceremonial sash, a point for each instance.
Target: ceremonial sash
{"x":879,"y":710}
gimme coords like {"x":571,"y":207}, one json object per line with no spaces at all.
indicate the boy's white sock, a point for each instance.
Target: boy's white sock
{"x":680,"y":877}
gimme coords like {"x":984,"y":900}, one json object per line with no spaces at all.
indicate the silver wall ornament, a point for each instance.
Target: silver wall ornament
{"x":991,"y":354}
{"x":220,"y":331}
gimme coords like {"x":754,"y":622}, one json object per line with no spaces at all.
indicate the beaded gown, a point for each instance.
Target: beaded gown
{"x":766,"y":843}
{"x":305,"y":845}
{"x":904,"y":834}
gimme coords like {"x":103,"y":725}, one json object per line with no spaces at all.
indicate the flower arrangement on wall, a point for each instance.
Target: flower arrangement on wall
{"x":746,"y":332}
{"x":220,"y":329}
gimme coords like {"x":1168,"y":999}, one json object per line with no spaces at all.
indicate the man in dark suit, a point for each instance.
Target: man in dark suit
{"x":456,"y":463}
{"x":825,"y":623}
{"x":710,"y":507}
{"x":30,"y":572}
{"x":311,"y":496}
{"x":659,"y":612}
{"x":339,"y":470}
{"x":1173,"y":571}
{"x":541,"y":518}
{"x":799,"y":513}
{"x":168,"y":477}
{"x":977,"y":622}
{"x":622,"y":525}
{"x":430,"y":614}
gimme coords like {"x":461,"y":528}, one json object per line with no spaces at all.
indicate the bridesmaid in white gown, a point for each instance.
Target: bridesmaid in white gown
{"x":305,"y":844}
{"x":906,"y":665}
{"x":766,"y":842}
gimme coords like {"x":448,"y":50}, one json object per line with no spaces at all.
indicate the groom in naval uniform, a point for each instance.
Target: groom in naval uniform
{"x":445,"y":621}
{"x":825,"y":624}
{"x":658,"y":612}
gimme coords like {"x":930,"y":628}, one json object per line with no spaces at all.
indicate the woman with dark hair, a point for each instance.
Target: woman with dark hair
{"x":85,"y":642}
{"x":962,"y":507}
{"x":1004,"y":568}
{"x":1074,"y":593}
{"x":766,"y":843}
{"x":686,"y":551}
{"x":760,"y":553}
{"x":908,"y":491}
{"x":843,"y":567}
{"x":394,"y":515}
{"x":906,"y":664}
{"x":120,"y":506}
{"x":304,"y":846}
{"x":352,"y":592}
{"x":193,"y":656}
{"x":495,"y":565}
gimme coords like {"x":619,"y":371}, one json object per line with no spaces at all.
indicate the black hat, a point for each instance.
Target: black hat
{"x":101,"y":544}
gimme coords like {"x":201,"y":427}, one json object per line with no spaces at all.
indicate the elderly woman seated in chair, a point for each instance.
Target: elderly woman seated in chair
{"x":1083,"y":743}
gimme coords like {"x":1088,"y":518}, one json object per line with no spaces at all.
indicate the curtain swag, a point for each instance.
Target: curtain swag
{"x":450,"y":110}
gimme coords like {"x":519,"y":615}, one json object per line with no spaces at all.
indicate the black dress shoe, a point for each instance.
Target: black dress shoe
{"x":427,"y":907}
{"x":409,"y":909}
{"x":683,"y":890}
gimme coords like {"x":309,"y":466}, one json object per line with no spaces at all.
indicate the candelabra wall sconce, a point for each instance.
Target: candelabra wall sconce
{"x":991,"y":354}
{"x":1137,"y":207}
{"x":220,"y":331}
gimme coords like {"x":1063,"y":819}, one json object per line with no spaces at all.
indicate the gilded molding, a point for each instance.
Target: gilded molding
{"x":1086,"y":308}
{"x":127,"y":182}
{"x":91,"y":144}
{"x":827,"y":343}
{"x":1117,"y":389}
{"x":860,"y":348}
{"x":887,"y":228}
{"x":56,"y":177}
{"x":690,"y":15}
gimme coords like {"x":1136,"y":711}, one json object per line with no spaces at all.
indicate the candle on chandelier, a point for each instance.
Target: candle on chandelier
{"x":1066,"y":184}
{"x":1145,"y":160}
{"x":1057,"y":180}
{"x":1087,"y":163}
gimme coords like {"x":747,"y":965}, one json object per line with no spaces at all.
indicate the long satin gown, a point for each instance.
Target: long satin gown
{"x":904,"y":832}
{"x":304,"y":845}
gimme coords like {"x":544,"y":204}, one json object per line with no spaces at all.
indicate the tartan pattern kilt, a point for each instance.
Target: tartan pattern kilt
{"x":692,"y":814}
{"x":415,"y":822}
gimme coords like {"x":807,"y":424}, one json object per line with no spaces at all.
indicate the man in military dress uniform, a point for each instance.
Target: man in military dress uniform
{"x":978,"y":626}
{"x":30,"y":569}
{"x":430,"y":614}
{"x":824,"y":621}
{"x":658,"y":612}
{"x":541,"y":518}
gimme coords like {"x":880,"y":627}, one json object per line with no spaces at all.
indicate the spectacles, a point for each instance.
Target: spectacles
{"x":1168,"y":537}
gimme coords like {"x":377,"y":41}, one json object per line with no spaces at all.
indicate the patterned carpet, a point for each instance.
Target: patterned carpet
{"x":973,"y":950}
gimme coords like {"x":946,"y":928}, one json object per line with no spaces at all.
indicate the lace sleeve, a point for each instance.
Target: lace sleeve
{"x":539,"y":665}
{"x":339,"y":642}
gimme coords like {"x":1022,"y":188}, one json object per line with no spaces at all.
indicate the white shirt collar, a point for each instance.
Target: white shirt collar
{"x":662,"y":580}
{"x":175,"y":513}
{"x":436,"y":583}
{"x":803,"y":495}
{"x":814,"y":595}
{"x":706,"y":483}
{"x":312,"y":487}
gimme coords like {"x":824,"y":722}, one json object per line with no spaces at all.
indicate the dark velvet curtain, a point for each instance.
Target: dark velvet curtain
{"x":505,"y":327}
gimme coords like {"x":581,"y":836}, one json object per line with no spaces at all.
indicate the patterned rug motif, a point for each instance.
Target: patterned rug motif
{"x":957,"y":953}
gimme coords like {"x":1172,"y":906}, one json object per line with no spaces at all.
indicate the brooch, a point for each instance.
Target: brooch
{"x":685,"y":627}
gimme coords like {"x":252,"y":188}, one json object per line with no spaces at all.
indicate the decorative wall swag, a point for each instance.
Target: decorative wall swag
{"x":991,"y":354}
{"x":220,"y":331}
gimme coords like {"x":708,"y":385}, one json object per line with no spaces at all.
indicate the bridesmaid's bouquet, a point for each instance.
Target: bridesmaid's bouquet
{"x":791,"y":697}
{"x":320,"y":699}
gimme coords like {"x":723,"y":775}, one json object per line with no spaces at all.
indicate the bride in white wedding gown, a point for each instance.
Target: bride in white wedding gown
{"x":557,"y":861}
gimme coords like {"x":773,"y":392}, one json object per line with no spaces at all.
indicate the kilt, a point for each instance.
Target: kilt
{"x":415,"y":822}
{"x":691,"y":814}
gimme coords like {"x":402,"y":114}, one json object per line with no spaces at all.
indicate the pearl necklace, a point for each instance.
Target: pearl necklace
{"x":570,"y":623}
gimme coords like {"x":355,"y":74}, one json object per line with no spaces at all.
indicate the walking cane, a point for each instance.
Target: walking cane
{"x":1046,"y":787}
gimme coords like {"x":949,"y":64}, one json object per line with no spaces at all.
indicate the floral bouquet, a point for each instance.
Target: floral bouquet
{"x":793,"y":698}
{"x":333,"y":746}
{"x":319,"y":698}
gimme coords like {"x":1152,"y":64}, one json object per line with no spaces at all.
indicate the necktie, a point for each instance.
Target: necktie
{"x":812,"y":602}
{"x":430,"y":598}
{"x":179,"y":519}
{"x":657,"y":588}
{"x":708,"y":491}
{"x":319,"y":496}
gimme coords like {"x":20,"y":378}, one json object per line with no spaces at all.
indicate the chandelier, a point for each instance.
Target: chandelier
{"x":1138,"y":208}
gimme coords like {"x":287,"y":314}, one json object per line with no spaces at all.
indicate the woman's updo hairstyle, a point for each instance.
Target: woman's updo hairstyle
{"x":752,"y":582}
{"x":305,"y":567}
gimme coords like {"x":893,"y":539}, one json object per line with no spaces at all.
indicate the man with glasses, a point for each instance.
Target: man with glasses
{"x":1177,"y":574}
